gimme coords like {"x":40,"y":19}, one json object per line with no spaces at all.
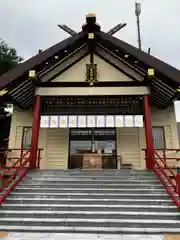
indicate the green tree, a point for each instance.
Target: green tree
{"x":8,"y":57}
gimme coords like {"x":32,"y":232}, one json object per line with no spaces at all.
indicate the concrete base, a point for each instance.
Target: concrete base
{"x":172,"y":237}
{"x":49,"y":236}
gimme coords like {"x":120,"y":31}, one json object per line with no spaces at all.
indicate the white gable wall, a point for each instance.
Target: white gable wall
{"x":106,"y":72}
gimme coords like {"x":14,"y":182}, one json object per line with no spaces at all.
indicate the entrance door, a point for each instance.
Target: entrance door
{"x":92,"y":140}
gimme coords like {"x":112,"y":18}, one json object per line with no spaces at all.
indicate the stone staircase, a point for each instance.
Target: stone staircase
{"x":90,"y":201}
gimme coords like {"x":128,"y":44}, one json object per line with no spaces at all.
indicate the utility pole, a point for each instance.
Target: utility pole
{"x":138,"y":13}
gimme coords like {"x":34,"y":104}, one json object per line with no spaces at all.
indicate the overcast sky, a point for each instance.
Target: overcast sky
{"x":30,"y":25}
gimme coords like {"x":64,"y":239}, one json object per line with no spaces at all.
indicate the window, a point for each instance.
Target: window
{"x":26,"y":138}
{"x":158,"y":137}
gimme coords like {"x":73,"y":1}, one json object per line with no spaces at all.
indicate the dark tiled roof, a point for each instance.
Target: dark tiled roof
{"x":160,"y":66}
{"x":40,"y":58}
{"x":166,"y":80}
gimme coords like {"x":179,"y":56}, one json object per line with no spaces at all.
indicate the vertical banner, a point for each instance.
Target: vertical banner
{"x":100,"y":121}
{"x":82,"y":122}
{"x":91,"y":122}
{"x":53,"y":122}
{"x":63,"y":121}
{"x":129,"y":121}
{"x":138,"y":121}
{"x":44,"y":122}
{"x":110,"y":121}
{"x":72,"y":122}
{"x":119,"y":121}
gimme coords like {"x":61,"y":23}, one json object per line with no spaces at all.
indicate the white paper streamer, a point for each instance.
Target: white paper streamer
{"x":91,"y":121}
{"x":100,"y":121}
{"x":82,"y":121}
{"x":53,"y":122}
{"x":138,"y":120}
{"x":129,"y":121}
{"x":44,"y":122}
{"x":110,"y":121}
{"x":119,"y":121}
{"x":63,"y":121}
{"x":72,"y":121}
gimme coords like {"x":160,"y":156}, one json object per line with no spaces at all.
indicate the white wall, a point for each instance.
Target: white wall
{"x":106,"y":72}
{"x":130,"y":141}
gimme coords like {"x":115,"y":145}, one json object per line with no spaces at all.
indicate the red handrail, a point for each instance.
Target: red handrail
{"x":165,"y":164}
{"x":161,"y":170}
{"x":16,"y":163}
{"x":19,"y":172}
{"x":165,"y":151}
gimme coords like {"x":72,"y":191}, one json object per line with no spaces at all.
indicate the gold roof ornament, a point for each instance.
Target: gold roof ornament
{"x":150,"y":71}
{"x":32,"y":74}
{"x":3,"y":92}
{"x":90,"y":35}
{"x":91,"y":15}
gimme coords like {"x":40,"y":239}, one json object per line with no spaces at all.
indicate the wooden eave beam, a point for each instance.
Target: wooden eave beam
{"x":144,"y":72}
{"x":85,"y":84}
{"x":121,"y":59}
{"x":117,"y":68}
{"x":132,"y":60}
{"x":66,"y":67}
{"x":51,"y":67}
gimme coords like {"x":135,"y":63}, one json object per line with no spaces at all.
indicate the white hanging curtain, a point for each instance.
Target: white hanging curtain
{"x":91,"y":121}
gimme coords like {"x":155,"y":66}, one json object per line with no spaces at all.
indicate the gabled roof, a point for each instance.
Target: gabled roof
{"x":165,"y":82}
{"x":40,"y":59}
{"x":143,"y":57}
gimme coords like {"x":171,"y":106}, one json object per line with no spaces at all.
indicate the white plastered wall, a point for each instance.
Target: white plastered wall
{"x":54,"y":142}
{"x":105,"y":72}
{"x":130,"y":141}
{"x":163,"y":118}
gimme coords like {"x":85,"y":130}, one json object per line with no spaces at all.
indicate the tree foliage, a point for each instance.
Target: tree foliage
{"x":8,"y":57}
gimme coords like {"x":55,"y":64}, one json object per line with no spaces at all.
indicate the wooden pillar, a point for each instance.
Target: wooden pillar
{"x":35,"y":132}
{"x":148,"y":134}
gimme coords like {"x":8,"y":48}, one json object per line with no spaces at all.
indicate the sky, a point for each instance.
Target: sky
{"x":31,"y":25}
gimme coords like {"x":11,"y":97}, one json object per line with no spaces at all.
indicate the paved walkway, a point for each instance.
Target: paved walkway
{"x":50,"y":236}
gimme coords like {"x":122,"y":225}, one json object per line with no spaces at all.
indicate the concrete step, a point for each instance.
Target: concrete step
{"x":50,"y":185}
{"x":89,"y":190}
{"x":106,"y":223}
{"x":90,"y":201}
{"x":87,"y":181}
{"x":78,"y":201}
{"x":145,"y":196}
{"x":82,"y":177}
{"x":89,"y":214}
{"x":87,"y":230}
{"x":86,"y":207}
{"x":92,"y":172}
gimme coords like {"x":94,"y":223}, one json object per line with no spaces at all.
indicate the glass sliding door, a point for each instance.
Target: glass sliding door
{"x":92,"y":140}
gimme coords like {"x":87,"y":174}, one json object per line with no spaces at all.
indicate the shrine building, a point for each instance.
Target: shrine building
{"x":92,"y":101}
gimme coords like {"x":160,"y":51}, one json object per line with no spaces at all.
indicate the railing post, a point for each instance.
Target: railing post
{"x":148,"y":134}
{"x":35,"y":132}
{"x":1,"y":182}
{"x":178,"y":183}
{"x":164,"y":155}
{"x":38,"y":158}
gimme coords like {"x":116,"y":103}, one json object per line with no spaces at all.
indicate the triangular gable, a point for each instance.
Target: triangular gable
{"x":106,"y":72}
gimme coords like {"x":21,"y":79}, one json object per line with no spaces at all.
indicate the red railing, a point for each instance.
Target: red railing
{"x":165,"y":166}
{"x":15,"y":170}
{"x":170,"y":155}
{"x":164,"y":173}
